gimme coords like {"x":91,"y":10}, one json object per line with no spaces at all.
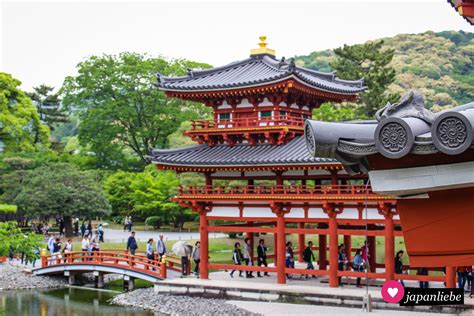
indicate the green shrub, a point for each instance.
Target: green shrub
{"x":153,"y":221}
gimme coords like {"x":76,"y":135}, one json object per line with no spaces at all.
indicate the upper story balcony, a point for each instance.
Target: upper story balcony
{"x":251,"y":130}
{"x":351,"y":193}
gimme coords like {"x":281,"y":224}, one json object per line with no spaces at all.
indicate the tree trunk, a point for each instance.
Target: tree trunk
{"x":68,"y":226}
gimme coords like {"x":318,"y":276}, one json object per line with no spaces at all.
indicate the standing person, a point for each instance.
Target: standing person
{"x":358,"y":265}
{"x":290,"y":257}
{"x":237,"y":258}
{"x":130,"y":223}
{"x":83,"y":229}
{"x":308,"y":257}
{"x":262,"y":256}
{"x":364,"y":252}
{"x":85,"y":245}
{"x":341,"y":260}
{"x":125,"y":223}
{"x":462,"y":277}
{"x":248,"y":257}
{"x":150,"y":251}
{"x":100,"y":229}
{"x":399,"y":264}
{"x":196,"y":255}
{"x":423,"y":271}
{"x":67,"y":249}
{"x":50,"y":244}
{"x":89,"y":229}
{"x":61,"y":227}
{"x":132,"y":243}
{"x":95,"y":242}
{"x":161,"y":247}
{"x":56,"y":253}
{"x":185,"y":260}
{"x":76,"y":227}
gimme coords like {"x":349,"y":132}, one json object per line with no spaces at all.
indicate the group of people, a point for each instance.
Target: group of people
{"x":56,"y":248}
{"x":158,"y":251}
{"x":238,"y":257}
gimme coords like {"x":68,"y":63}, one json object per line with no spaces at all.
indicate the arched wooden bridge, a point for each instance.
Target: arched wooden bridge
{"x":121,"y":262}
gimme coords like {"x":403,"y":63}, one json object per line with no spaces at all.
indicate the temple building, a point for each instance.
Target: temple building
{"x":255,"y":137}
{"x":465,"y":8}
{"x":424,"y":159}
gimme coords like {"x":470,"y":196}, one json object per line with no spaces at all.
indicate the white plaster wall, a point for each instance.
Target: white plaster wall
{"x":258,"y":212}
{"x":296,"y":212}
{"x":224,"y":211}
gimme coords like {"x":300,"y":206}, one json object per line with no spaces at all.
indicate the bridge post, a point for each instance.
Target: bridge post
{"x":163,"y":267}
{"x":44,"y":258}
{"x":99,"y":279}
{"x":71,"y":277}
{"x":131,"y":284}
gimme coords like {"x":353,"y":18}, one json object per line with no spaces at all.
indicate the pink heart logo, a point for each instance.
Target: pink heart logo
{"x":392,"y":291}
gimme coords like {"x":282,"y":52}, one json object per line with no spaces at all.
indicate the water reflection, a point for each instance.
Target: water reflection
{"x":67,"y":302}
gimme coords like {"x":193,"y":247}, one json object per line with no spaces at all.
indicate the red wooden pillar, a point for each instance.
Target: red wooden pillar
{"x":301,"y":243}
{"x":250,"y":236}
{"x":322,"y":250}
{"x":450,"y":277}
{"x":204,"y":238}
{"x":334,"y":177}
{"x":389,"y":248}
{"x":281,"y":240}
{"x":372,"y":253}
{"x":348,"y":246}
{"x":208,"y":177}
{"x":333,"y":245}
{"x":275,"y":246}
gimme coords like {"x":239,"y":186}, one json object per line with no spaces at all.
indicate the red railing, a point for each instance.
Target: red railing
{"x":247,"y":122}
{"x":115,"y":258}
{"x":330,"y":190}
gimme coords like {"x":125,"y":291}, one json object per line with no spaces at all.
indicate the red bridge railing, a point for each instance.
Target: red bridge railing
{"x":116,"y":258}
{"x":247,"y":122}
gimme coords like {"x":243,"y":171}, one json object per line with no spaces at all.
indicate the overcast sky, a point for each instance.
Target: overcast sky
{"x":42,"y":41}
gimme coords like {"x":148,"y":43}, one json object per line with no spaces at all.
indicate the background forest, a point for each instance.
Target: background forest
{"x":81,"y":150}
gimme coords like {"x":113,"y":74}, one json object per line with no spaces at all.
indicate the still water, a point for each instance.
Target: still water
{"x":67,"y":302}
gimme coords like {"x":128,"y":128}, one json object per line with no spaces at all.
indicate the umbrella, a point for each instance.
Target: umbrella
{"x":182,"y":249}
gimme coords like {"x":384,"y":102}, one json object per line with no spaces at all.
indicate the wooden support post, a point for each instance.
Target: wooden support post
{"x":275,"y":247}
{"x":204,"y":238}
{"x":389,"y":249}
{"x":372,"y":253}
{"x":281,"y":240}
{"x":251,"y":237}
{"x":333,"y":253}
{"x":348,"y":246}
{"x":450,"y":277}
{"x":334,"y":177}
{"x":208,"y":182}
{"x":301,"y":244}
{"x":322,"y":250}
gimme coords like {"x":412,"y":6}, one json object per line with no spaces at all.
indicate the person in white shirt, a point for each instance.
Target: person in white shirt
{"x":85,"y":245}
{"x":160,"y":246}
{"x":50,"y":244}
{"x":67,"y":249}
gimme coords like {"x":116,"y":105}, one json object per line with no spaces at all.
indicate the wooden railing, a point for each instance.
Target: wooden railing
{"x":116,"y":258}
{"x":247,"y":122}
{"x":356,"y":189}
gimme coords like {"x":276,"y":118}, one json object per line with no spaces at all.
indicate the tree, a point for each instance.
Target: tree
{"x":329,"y":112}
{"x":20,"y":125}
{"x":371,"y":62}
{"x":120,"y":109}
{"x":62,"y":189}
{"x":48,"y":105}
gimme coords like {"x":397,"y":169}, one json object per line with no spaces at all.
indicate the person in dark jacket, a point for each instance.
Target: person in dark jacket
{"x":290,"y":258}
{"x":423,"y":271}
{"x":341,"y":260}
{"x":358,"y":265}
{"x":237,"y":258}
{"x":89,"y":229}
{"x":262,"y":256}
{"x":132,"y":245}
{"x":399,"y":264}
{"x":308,"y":257}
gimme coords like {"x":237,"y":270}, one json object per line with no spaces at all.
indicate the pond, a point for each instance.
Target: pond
{"x":66,"y":301}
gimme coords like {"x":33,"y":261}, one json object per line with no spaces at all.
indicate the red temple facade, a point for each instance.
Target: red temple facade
{"x":256,"y":137}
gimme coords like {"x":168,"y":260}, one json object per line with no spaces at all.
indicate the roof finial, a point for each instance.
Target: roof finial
{"x":263,"y":49}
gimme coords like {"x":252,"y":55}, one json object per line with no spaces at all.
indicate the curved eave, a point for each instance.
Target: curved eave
{"x":265,"y":83}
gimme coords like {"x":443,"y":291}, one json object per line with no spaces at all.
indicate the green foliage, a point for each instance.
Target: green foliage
{"x":338,"y":112}
{"x":48,"y":105}
{"x":439,"y":65}
{"x":20,"y":125}
{"x":146,"y":194}
{"x":13,"y":241}
{"x":154,"y":221}
{"x":8,"y":208}
{"x":371,"y":62}
{"x":61,"y":189}
{"x":122,"y":115}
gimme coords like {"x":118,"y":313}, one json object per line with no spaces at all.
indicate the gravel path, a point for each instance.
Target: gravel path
{"x":178,"y":305}
{"x":13,"y":278}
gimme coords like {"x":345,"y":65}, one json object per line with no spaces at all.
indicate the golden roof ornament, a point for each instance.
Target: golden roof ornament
{"x":263,"y":49}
